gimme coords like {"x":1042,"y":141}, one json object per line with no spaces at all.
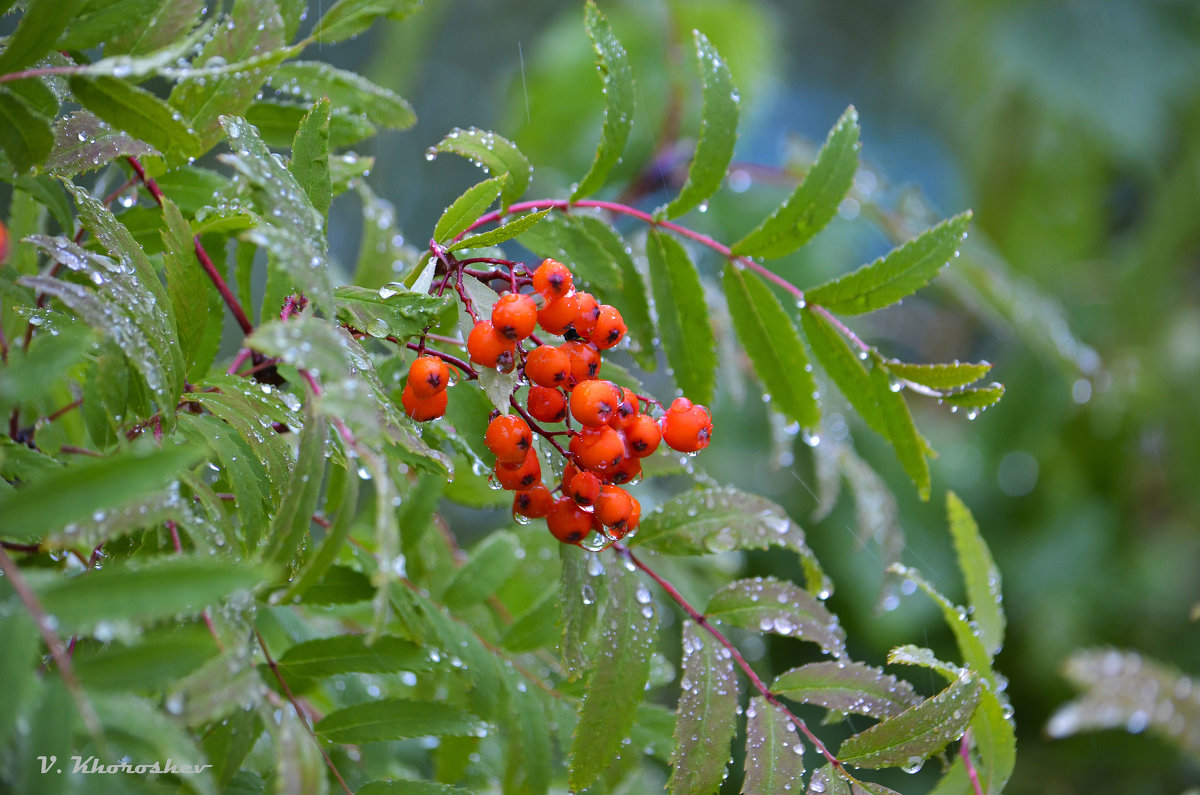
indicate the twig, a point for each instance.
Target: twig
{"x":964,"y":752}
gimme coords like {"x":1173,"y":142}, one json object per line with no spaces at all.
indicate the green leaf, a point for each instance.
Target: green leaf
{"x":974,"y":400}
{"x":136,"y":111}
{"x":18,"y":666}
{"x":635,"y":307}
{"x":25,"y":134}
{"x":179,"y":585}
{"x":613,"y":65}
{"x":310,"y":157}
{"x":578,"y":597}
{"x":100,"y":20}
{"x":618,"y":679}
{"x":37,"y":94}
{"x":718,"y":131}
{"x":277,"y":122}
{"x":343,"y":654}
{"x":843,"y":366}
{"x":898,"y":427}
{"x":396,"y":719}
{"x":536,"y":627}
{"x":490,"y":564}
{"x":770,"y":605}
{"x":348,"y":18}
{"x":683,"y":317}
{"x":501,"y":234}
{"x":717,"y":520}
{"x":995,"y":741}
{"x":241,"y":412}
{"x":896,"y":275}
{"x":39,"y":28}
{"x":339,"y":586}
{"x":165,"y":26}
{"x":159,"y":658}
{"x":410,"y":787}
{"x":940,"y":376}
{"x":567,"y":239}
{"x":342,"y":496}
{"x":292,"y":519}
{"x":917,"y":733}
{"x":389,"y":311}
{"x":495,"y":154}
{"x":82,"y":143}
{"x":816,"y":199}
{"x":312,"y":80}
{"x":76,"y":493}
{"x":980,"y":573}
{"x":141,"y":730}
{"x":192,"y":294}
{"x":847,"y":687}
{"x":774,"y":752}
{"x":466,"y":209}
{"x":162,"y":61}
{"x":298,"y":765}
{"x":773,"y":345}
{"x":706,"y":717}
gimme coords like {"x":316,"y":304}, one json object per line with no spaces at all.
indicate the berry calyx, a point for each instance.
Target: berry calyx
{"x":533,"y":503}
{"x":509,"y":438}
{"x":686,"y":427}
{"x":594,"y":403}
{"x":524,"y":476}
{"x":548,"y":366}
{"x":428,"y":376}
{"x":490,"y":348}
{"x":423,"y":409}
{"x":609,"y":329}
{"x":514,"y":315}
{"x":568,"y":522}
{"x":546,"y":404}
{"x":552,"y":279}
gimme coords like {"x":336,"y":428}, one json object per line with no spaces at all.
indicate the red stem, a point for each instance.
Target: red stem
{"x":230,"y":301}
{"x":964,"y":752}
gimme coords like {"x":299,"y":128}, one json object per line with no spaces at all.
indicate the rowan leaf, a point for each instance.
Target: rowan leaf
{"x":774,"y":752}
{"x":683,"y":317}
{"x":613,"y":65}
{"x":495,"y":154}
{"x":466,"y":209}
{"x":847,"y":687}
{"x":707,"y":714}
{"x":778,"y":607}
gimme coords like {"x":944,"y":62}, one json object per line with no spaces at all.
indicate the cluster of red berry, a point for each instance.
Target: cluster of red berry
{"x":606,"y":451}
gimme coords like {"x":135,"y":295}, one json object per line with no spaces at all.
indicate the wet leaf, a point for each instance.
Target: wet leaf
{"x":684,"y":320}
{"x":706,"y":717}
{"x":781,"y":608}
{"x":396,"y":719}
{"x":466,"y":209}
{"x":82,"y":143}
{"x":495,"y":154}
{"x":848,"y":687}
{"x":980,"y":573}
{"x":613,"y":65}
{"x":774,"y":752}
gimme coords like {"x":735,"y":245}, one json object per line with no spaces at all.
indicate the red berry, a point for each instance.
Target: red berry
{"x":546,"y":365}
{"x":568,"y":522}
{"x":556,"y":315}
{"x":584,"y":488}
{"x":610,"y":328}
{"x":552,"y":279}
{"x":428,"y":376}
{"x":627,"y":409}
{"x":585,"y":360}
{"x":524,"y":476}
{"x":546,"y":404}
{"x":613,"y":506}
{"x":598,"y":449}
{"x":627,"y":471}
{"x":595,"y":402}
{"x":489,"y":347}
{"x":514,"y":315}
{"x":643,"y":435}
{"x":686,"y":427}
{"x":635,"y":518}
{"x":533,"y":503}
{"x":509,"y":438}
{"x":423,"y":409}
{"x":587,"y":312}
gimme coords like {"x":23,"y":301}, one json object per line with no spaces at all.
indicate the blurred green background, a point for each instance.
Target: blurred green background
{"x":1073,"y":130}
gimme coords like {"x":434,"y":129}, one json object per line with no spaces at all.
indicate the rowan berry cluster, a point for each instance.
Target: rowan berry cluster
{"x":607,"y":429}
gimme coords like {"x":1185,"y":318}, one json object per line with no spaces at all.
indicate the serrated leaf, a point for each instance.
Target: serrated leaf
{"x":843,"y":366}
{"x":466,"y":209}
{"x":136,"y":111}
{"x":974,"y":400}
{"x":310,"y":157}
{"x":847,"y":687}
{"x":339,"y":586}
{"x":530,"y":763}
{"x":718,"y":131}
{"x":192,"y":294}
{"x":617,"y":682}
{"x":25,"y":134}
{"x":159,"y":658}
{"x":966,"y":634}
{"x":723,"y":519}
{"x":225,"y":684}
{"x":773,"y":345}
{"x":163,"y":60}
{"x":940,"y":376}
{"x":241,"y":413}
{"x":635,"y":307}
{"x":402,"y":314}
{"x":917,"y":733}
{"x":566,"y":238}
{"x":77,"y":492}
{"x":578,"y":597}
{"x":180,"y":585}
{"x":501,"y":234}
{"x":980,"y":573}
{"x":896,"y":275}
{"x":489,"y":565}
{"x":774,"y":753}
{"x":342,"y":496}
{"x":18,"y":666}
{"x":277,"y":123}
{"x":348,"y":18}
{"x":35,"y":35}
{"x":536,"y":627}
{"x":706,"y":717}
{"x":816,"y":199}
{"x":298,"y":767}
{"x":826,"y":781}
{"x":312,"y":80}
{"x":292,"y":519}
{"x":683,"y":317}
{"x":82,"y":143}
{"x":141,"y":730}
{"x":396,"y":719}
{"x":613,"y":65}
{"x":916,"y":655}
{"x":495,"y":154}
{"x":898,"y":427}
{"x":770,"y":605}
{"x":166,"y":25}
{"x":995,"y":741}
{"x":229,"y":743}
{"x":342,"y":654}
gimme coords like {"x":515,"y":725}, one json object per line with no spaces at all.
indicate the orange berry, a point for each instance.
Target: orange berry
{"x":631,"y":523}
{"x":546,"y":365}
{"x":524,"y":476}
{"x":509,"y":438}
{"x":612,"y":507}
{"x":428,"y":376}
{"x":490,"y":348}
{"x":514,"y":315}
{"x":585,"y":360}
{"x":587,"y":312}
{"x":595,"y":402}
{"x":584,"y":488}
{"x":686,"y":427}
{"x":610,"y":328}
{"x":568,"y":522}
{"x":423,"y":409}
{"x":643,"y":435}
{"x":546,"y":404}
{"x":598,"y":449}
{"x":552,"y":279}
{"x":627,"y":409}
{"x":533,"y":503}
{"x":556,"y":315}
{"x":627,"y":471}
